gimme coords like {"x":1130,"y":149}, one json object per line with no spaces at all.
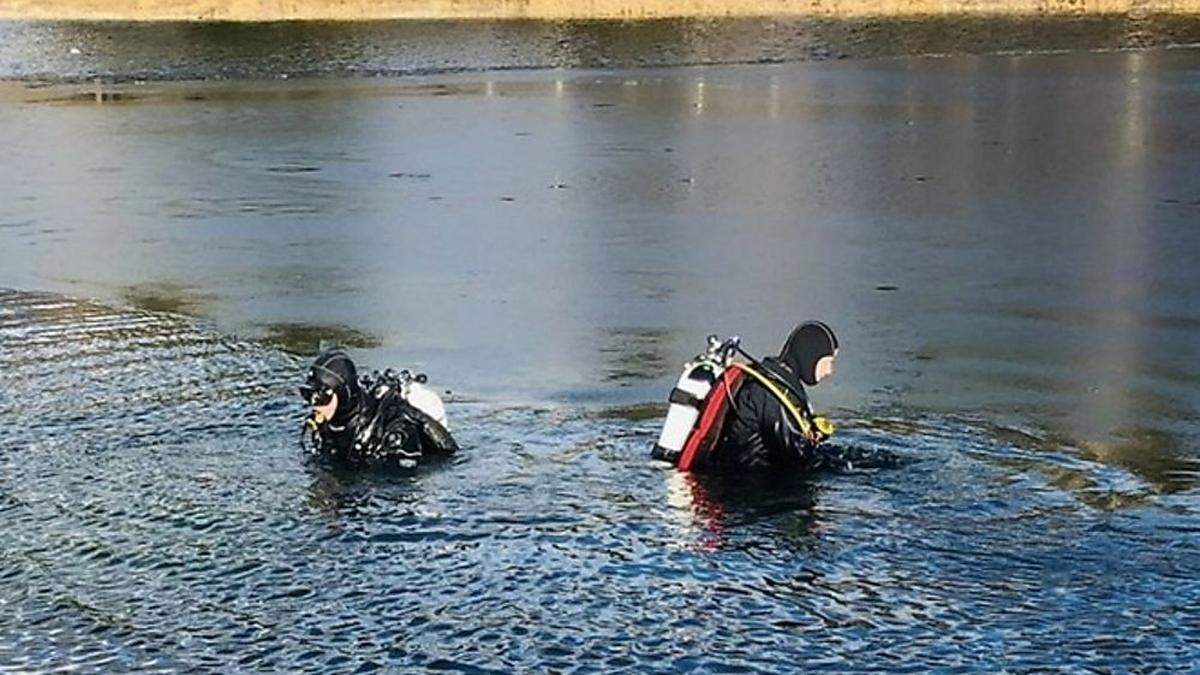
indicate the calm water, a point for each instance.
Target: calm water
{"x":1006,"y":246}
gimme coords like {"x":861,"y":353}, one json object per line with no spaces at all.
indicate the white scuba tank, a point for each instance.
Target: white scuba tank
{"x":690,"y":393}
{"x":426,"y":400}
{"x":687,"y":400}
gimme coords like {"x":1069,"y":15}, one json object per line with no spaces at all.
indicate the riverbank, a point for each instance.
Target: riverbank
{"x":359,"y":10}
{"x":83,"y":51}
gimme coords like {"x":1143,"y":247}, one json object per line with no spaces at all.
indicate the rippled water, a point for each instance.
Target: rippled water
{"x":1006,"y":246}
{"x":158,"y":514}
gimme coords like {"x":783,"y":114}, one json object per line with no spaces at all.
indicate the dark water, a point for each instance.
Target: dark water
{"x":157,"y":515}
{"x":1006,"y":246}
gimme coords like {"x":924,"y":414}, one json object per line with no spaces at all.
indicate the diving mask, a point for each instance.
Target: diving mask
{"x":316,"y":396}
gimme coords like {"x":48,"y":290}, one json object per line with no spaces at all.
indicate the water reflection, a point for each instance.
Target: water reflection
{"x":551,"y":540}
{"x":636,"y":354}
{"x":715,"y":504}
{"x":1158,"y":456}
{"x":310,"y":339}
{"x":1011,"y":201}
{"x":347,"y":498}
{"x":166,"y":297}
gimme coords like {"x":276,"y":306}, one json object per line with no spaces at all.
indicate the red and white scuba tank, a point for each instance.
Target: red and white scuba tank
{"x":690,"y":394}
{"x":701,"y":400}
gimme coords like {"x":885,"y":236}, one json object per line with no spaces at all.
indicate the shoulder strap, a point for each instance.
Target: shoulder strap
{"x":778,"y":392}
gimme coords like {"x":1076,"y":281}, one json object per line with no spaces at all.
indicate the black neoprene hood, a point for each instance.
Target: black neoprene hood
{"x":335,"y":370}
{"x":809,"y":342}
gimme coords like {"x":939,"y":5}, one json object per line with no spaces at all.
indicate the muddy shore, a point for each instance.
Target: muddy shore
{"x":358,"y":10}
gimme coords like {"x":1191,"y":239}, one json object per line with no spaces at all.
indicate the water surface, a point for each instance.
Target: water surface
{"x":1006,"y":236}
{"x":188,"y":532}
{"x":1005,"y":245}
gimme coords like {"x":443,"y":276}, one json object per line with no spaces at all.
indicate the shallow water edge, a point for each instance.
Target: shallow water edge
{"x":354,"y":10}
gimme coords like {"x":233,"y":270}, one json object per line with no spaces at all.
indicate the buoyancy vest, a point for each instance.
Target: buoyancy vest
{"x":706,"y":433}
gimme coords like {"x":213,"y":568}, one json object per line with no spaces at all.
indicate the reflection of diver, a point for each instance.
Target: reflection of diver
{"x":732,"y":417}
{"x":388,"y":419}
{"x":718,"y":505}
{"x":338,"y":491}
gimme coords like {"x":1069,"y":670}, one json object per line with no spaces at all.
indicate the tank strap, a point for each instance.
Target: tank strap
{"x":779,"y":393}
{"x":685,"y":398}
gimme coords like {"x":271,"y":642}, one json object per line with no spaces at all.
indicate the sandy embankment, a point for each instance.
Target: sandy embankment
{"x":350,"y":10}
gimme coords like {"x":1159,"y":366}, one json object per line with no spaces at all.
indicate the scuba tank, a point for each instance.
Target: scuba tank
{"x":702,"y":397}
{"x":426,"y":400}
{"x":690,"y":392}
{"x":412,"y":388}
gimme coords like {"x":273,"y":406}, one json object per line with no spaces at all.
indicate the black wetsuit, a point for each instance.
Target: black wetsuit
{"x":759,"y":432}
{"x":382,"y":431}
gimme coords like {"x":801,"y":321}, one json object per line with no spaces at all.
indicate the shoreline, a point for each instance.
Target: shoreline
{"x":145,"y":51}
{"x":264,"y":11}
{"x":111,"y":89}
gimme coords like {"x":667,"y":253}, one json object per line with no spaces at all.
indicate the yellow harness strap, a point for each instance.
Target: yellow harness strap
{"x":786,"y":400}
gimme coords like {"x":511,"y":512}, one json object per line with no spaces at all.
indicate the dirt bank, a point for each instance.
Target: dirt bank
{"x":350,"y":10}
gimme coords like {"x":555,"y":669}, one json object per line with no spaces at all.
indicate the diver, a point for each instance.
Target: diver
{"x":732,"y":417}
{"x":385,"y":420}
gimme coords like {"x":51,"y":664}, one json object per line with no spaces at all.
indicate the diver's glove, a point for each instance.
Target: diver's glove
{"x":823,"y":428}
{"x":820,"y":430}
{"x":309,"y":431}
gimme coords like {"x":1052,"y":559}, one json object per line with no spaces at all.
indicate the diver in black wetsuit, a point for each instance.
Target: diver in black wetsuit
{"x":384,"y":421}
{"x":731,"y":417}
{"x":760,"y":432}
